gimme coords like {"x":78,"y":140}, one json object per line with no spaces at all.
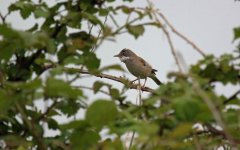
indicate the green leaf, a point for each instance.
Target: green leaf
{"x":98,"y":85}
{"x":93,"y":19}
{"x":70,"y":107}
{"x":114,"y":93}
{"x":37,"y":40}
{"x":59,"y":88}
{"x":7,"y":32}
{"x":135,"y":30}
{"x":101,"y":112}
{"x":73,"y":60}
{"x":103,"y":12}
{"x":51,"y":46}
{"x":186,"y":109}
{"x":77,"y":124}
{"x":14,"y":140}
{"x":41,"y":12}
{"x":52,"y":124}
{"x":181,"y":131}
{"x":73,"y":19}
{"x":126,"y":9}
{"x":25,"y":8}
{"x":236,"y":32}
{"x":30,"y":85}
{"x":115,"y":144}
{"x":5,"y":101}
{"x":112,"y":67}
{"x":90,"y":60}
{"x":81,"y":40}
{"x":81,"y":140}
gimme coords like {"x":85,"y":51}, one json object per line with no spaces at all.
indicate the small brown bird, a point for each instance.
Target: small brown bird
{"x":138,"y":66}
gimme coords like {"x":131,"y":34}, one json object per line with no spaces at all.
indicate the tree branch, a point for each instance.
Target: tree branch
{"x":128,"y":23}
{"x":168,"y":38}
{"x":114,"y":78}
{"x":47,"y":111}
{"x":96,"y":45}
{"x":231,"y":97}
{"x":3,"y":17}
{"x":180,"y":34}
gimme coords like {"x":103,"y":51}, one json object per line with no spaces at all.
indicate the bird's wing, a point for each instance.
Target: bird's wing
{"x":144,"y":62}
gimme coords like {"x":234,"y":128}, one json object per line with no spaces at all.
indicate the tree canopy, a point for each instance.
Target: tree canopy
{"x":44,"y":62}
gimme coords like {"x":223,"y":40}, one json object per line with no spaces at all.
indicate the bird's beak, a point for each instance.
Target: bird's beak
{"x":116,"y":55}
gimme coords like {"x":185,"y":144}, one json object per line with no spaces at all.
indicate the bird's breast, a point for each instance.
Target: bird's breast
{"x":138,"y":69}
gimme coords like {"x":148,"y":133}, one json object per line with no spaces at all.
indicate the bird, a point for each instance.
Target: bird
{"x":137,"y":66}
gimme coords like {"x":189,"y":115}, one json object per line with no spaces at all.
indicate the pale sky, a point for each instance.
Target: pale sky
{"x":208,"y":23}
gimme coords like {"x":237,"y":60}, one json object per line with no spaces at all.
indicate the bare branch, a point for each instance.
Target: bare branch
{"x":173,"y":50}
{"x":114,"y":78}
{"x":114,"y":20}
{"x":3,"y":17}
{"x":126,"y":24}
{"x":180,"y":34}
{"x":96,"y":45}
{"x":170,"y":43}
{"x":232,"y":97}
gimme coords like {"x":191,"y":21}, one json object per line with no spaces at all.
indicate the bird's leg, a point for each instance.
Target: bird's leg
{"x":144,"y":82}
{"x":139,"y":83}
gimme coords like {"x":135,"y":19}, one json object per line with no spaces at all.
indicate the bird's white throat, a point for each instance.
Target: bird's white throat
{"x":124,"y":58}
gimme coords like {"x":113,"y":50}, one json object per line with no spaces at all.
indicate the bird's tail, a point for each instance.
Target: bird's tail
{"x":155,"y":79}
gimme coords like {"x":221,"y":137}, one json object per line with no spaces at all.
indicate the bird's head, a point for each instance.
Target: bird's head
{"x":125,"y":54}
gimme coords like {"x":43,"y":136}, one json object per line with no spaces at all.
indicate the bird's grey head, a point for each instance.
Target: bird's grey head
{"x":125,"y":55}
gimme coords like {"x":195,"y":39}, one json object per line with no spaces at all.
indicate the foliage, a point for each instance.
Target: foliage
{"x":34,"y":63}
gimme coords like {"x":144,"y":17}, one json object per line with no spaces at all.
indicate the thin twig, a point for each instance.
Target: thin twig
{"x":89,"y":88}
{"x":114,"y":20}
{"x":123,"y":26}
{"x":131,"y":141}
{"x":4,"y":17}
{"x":95,"y":46}
{"x":180,"y":34}
{"x":169,"y":40}
{"x":231,"y":97}
{"x":172,"y":49}
{"x":128,"y":18}
{"x":47,"y":111}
